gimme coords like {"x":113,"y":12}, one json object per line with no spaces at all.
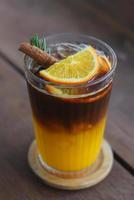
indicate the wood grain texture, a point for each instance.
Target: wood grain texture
{"x":121,"y":11}
{"x":118,"y":15}
{"x":51,"y":16}
{"x":17,"y":182}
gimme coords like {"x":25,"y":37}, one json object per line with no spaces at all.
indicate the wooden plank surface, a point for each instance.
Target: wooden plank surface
{"x":17,"y":182}
{"x":121,"y":11}
{"x":27,"y":18}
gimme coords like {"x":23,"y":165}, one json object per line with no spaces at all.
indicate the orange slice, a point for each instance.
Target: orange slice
{"x":104,"y":64}
{"x":75,"y":69}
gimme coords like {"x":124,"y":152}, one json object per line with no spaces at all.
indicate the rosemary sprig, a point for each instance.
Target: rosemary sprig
{"x":43,"y":44}
{"x":40,"y":43}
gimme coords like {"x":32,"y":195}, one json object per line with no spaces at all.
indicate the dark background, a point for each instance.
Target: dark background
{"x":111,"y":21}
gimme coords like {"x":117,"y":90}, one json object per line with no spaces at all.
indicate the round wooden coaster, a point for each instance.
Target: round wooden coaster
{"x":92,"y":175}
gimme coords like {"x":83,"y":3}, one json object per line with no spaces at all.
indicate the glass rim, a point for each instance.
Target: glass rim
{"x":87,"y":84}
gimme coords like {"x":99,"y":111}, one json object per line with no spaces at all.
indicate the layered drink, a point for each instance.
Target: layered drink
{"x":69,"y":114}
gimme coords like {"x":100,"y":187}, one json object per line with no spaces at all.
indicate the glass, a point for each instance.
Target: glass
{"x":69,"y":126}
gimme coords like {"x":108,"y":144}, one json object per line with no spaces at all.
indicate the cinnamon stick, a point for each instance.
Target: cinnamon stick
{"x":41,"y":57}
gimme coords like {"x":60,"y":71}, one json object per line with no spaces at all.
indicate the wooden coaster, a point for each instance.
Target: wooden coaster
{"x":93,"y":175}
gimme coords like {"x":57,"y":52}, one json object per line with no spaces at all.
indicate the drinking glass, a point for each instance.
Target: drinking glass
{"x":69,"y":121}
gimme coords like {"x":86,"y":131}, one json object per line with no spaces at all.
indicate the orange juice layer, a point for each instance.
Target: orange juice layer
{"x":70,"y":151}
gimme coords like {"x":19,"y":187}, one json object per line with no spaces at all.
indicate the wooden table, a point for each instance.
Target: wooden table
{"x":18,"y":21}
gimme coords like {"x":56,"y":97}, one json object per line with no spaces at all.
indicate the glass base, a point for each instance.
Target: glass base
{"x":70,"y":174}
{"x":72,"y":180}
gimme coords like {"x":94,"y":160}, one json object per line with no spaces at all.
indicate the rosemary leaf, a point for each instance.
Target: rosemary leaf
{"x":40,"y":43}
{"x":44,"y":46}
